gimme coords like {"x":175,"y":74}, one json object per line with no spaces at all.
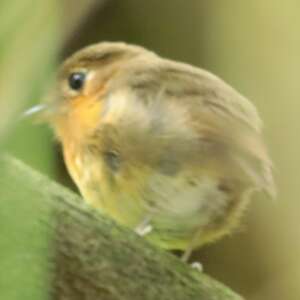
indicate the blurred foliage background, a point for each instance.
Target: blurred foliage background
{"x":253,"y":45}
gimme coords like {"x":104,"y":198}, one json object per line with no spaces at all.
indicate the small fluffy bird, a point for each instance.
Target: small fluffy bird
{"x":162,"y":147}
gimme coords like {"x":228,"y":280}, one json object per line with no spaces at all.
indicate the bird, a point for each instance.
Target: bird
{"x":165,"y":148}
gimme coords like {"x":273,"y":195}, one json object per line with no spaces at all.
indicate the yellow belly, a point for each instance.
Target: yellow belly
{"x":177,"y":210}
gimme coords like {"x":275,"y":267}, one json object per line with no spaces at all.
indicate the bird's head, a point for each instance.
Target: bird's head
{"x":75,"y":102}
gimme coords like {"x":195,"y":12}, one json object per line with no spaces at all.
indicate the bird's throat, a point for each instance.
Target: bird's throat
{"x":82,"y":117}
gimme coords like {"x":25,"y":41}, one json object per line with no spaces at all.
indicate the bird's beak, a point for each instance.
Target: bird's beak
{"x":40,"y":112}
{"x":34,"y":110}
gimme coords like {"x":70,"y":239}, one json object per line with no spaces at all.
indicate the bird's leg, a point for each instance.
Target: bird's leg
{"x":188,"y":251}
{"x":144,"y":227}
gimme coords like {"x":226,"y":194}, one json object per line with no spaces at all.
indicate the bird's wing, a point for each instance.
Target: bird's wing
{"x":218,"y":114}
{"x":222,"y":116}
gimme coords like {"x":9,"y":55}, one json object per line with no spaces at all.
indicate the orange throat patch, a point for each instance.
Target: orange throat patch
{"x":81,"y":118}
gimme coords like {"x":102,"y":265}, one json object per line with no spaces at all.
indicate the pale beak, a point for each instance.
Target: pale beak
{"x":34,"y":110}
{"x":41,"y":112}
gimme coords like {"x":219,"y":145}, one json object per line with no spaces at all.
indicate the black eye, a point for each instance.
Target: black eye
{"x":76,"y":80}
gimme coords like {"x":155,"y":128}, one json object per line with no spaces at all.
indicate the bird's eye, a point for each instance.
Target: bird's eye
{"x":76,"y":80}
